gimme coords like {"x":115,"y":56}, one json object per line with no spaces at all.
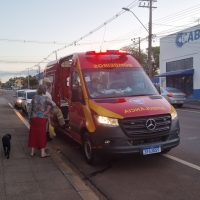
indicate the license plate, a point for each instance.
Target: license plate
{"x":151,"y":150}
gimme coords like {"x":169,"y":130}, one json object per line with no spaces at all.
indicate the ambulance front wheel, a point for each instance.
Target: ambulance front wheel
{"x":88,"y":151}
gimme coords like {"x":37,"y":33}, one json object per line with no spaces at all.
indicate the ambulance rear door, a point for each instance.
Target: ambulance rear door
{"x":76,"y":114}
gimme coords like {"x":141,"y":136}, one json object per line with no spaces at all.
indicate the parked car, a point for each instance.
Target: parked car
{"x":27,"y":98}
{"x":18,"y":98}
{"x":173,"y":95}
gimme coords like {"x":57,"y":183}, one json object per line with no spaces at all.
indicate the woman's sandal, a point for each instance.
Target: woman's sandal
{"x":45,"y":156}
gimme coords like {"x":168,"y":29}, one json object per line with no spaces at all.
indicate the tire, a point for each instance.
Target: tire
{"x":88,"y":151}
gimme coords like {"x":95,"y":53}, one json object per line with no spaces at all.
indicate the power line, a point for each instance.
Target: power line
{"x":182,"y":26}
{"x":64,"y":43}
{"x":158,"y":35}
{"x":131,"y":5}
{"x":19,"y":62}
{"x":74,"y":43}
{"x":32,"y":41}
{"x":174,"y":18}
{"x":181,"y":14}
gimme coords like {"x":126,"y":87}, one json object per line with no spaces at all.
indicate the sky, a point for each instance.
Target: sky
{"x":34,"y":32}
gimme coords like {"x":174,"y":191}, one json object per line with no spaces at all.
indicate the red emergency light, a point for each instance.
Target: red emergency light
{"x":107,"y":52}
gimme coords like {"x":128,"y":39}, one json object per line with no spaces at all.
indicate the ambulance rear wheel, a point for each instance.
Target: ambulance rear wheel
{"x":88,"y":151}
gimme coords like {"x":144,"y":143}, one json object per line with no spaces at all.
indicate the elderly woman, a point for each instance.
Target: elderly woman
{"x":40,"y":109}
{"x":55,"y":111}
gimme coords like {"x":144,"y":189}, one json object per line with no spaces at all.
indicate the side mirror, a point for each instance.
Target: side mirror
{"x":159,"y":90}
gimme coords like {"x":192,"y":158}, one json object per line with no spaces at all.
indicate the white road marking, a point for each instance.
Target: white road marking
{"x":182,"y":162}
{"x":10,"y":105}
{"x":26,"y":123}
{"x":192,"y":138}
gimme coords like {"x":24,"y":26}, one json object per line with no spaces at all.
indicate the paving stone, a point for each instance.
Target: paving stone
{"x":62,"y":195}
{"x":22,"y":188}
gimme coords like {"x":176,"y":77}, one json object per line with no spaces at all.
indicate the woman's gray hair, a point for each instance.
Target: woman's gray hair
{"x":41,"y":90}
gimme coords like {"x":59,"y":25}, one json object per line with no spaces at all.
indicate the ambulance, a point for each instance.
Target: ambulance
{"x":110,"y":105}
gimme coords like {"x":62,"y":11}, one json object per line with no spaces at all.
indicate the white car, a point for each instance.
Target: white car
{"x":18,"y":98}
{"x":27,"y":98}
{"x":174,"y":96}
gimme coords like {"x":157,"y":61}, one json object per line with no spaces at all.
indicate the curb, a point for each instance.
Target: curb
{"x":85,"y":192}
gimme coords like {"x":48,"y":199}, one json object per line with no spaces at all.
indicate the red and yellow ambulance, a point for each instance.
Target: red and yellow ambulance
{"x":110,"y":104}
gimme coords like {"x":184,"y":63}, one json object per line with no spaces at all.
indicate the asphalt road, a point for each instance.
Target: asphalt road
{"x":173,"y":176}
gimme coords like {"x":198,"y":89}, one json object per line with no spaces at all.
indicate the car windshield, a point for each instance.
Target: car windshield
{"x":20,"y":93}
{"x":30,"y":95}
{"x":170,"y":89}
{"x":118,"y":82}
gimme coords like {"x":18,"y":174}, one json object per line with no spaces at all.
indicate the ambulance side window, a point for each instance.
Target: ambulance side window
{"x":76,"y":88}
{"x":75,"y":80}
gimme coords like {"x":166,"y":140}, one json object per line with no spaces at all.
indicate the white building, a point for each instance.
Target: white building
{"x":180,"y":61}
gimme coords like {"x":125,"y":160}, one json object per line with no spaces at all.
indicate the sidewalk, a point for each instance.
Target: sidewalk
{"x":25,"y":178}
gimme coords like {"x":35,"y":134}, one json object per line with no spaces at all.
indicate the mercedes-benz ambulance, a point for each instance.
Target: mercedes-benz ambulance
{"x":110,"y":104}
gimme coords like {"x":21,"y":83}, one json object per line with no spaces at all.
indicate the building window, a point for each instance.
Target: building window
{"x":182,"y":64}
{"x":182,"y":82}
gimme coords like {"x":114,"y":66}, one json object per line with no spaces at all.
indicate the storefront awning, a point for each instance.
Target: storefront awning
{"x":178,"y":72}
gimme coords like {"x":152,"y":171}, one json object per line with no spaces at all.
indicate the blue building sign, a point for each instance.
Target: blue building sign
{"x":187,"y":37}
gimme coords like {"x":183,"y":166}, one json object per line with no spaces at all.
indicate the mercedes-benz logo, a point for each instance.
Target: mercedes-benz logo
{"x":151,"y":124}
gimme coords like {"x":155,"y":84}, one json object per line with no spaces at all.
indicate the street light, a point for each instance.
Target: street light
{"x":127,"y":9}
{"x":149,"y":37}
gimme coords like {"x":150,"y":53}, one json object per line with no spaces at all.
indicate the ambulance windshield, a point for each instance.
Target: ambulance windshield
{"x":118,"y":82}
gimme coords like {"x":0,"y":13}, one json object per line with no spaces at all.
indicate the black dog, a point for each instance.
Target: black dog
{"x":6,"y":145}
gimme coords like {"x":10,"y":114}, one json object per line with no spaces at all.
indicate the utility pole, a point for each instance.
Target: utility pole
{"x":150,"y":40}
{"x":148,"y":4}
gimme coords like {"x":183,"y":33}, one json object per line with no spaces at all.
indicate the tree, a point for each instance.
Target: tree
{"x":142,"y":57}
{"x":33,"y":82}
{"x":13,"y":82}
{"x":156,"y":66}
